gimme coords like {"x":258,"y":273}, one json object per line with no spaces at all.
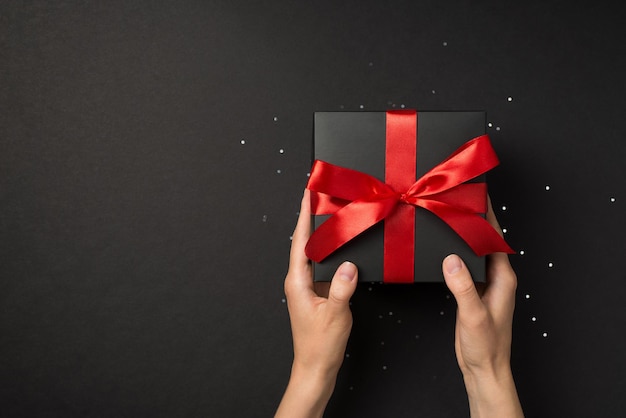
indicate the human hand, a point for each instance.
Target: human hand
{"x":484,"y":330}
{"x":320,"y":324}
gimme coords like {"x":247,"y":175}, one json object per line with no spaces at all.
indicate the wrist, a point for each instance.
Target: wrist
{"x":308,"y":392}
{"x":317,"y":379}
{"x":492,"y":394}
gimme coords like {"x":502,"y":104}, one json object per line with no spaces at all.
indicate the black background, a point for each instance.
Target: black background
{"x":143,"y":246}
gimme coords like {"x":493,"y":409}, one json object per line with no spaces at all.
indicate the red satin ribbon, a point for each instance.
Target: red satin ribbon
{"x":358,"y":201}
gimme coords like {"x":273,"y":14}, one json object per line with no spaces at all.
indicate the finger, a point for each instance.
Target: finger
{"x":459,"y":281}
{"x":302,"y":232}
{"x":501,"y":284}
{"x":500,"y":274}
{"x":342,"y":287}
{"x":299,"y":277}
{"x":491,"y":217}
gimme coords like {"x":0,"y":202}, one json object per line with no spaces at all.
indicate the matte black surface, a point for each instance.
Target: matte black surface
{"x":143,"y":247}
{"x":356,"y":140}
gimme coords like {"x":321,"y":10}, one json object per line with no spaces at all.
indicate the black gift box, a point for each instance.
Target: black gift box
{"x":356,"y":140}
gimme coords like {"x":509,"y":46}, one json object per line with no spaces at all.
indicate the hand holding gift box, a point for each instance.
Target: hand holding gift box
{"x":321,"y":322}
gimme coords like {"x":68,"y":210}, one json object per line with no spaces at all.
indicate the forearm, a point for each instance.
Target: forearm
{"x":307,"y":394}
{"x":493,"y":396}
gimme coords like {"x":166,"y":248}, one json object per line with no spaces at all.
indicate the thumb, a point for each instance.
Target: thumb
{"x":342,"y":286}
{"x":459,"y":281}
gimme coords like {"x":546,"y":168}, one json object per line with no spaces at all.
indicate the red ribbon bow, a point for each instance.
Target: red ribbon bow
{"x":358,"y":201}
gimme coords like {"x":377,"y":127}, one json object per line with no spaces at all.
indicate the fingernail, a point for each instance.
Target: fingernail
{"x":452,"y":264}
{"x":347,"y":271}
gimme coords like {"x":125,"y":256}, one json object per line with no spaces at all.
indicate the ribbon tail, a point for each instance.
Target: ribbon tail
{"x":482,"y":238}
{"x":345,"y":224}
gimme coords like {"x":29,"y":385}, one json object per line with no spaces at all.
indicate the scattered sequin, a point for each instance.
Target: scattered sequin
{"x":510,"y":99}
{"x":351,"y":388}
{"x":550,"y":265}
{"x":402,"y":106}
{"x":445,"y":43}
{"x":417,"y":337}
{"x":290,"y":237}
{"x":264,"y":218}
{"x":399,"y":321}
{"x":283,"y":300}
{"x":490,"y":124}
{"x":384,"y":367}
{"x":380,"y":317}
{"x":361,"y":106}
{"x":612,"y":199}
{"x":371,"y":64}
{"x":503,"y":207}
{"x":390,"y":313}
{"x":433,"y":91}
{"x":243,"y":141}
{"x":534,"y":319}
{"x":545,"y":334}
{"x":308,"y":174}
{"x":547,"y":188}
{"x":347,"y":355}
{"x":369,"y":288}
{"x":441,"y":312}
{"x":282,"y":151}
{"x":382,"y":343}
{"x":527,"y":296}
{"x":521,"y":252}
{"x":497,"y":128}
{"x":275,"y":118}
{"x":278,"y":171}
{"x":504,"y":230}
